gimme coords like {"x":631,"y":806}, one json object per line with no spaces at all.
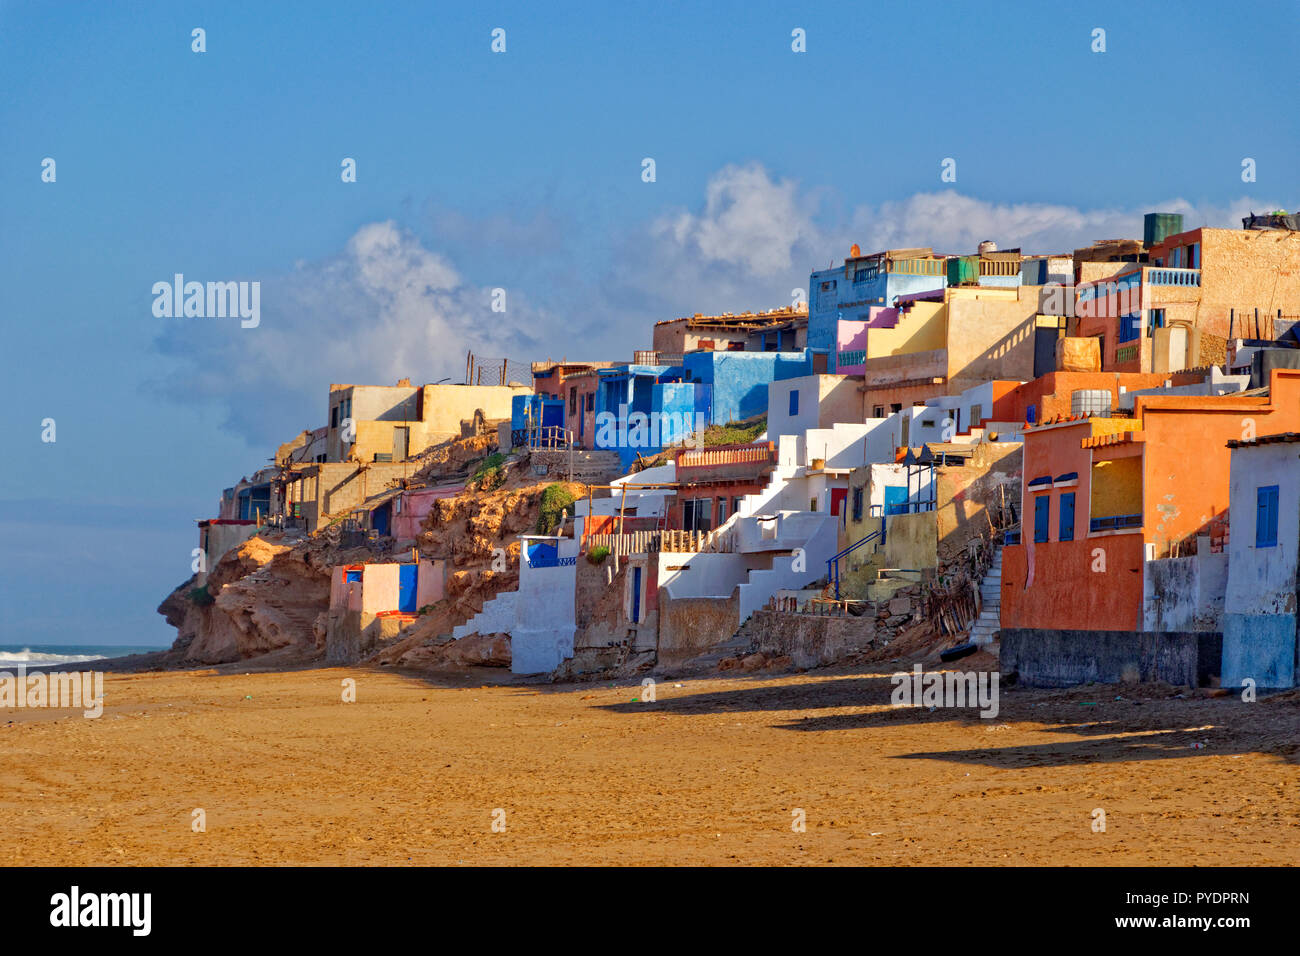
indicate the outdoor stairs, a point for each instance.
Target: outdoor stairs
{"x":988,"y":624}
{"x":738,"y":645}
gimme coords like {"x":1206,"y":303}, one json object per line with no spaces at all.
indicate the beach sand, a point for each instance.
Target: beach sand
{"x":711,"y":773}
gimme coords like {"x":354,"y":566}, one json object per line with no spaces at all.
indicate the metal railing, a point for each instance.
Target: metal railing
{"x":833,"y":562}
{"x":1115,"y":523}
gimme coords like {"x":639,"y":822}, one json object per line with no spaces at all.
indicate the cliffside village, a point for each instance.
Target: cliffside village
{"x":1086,"y":463}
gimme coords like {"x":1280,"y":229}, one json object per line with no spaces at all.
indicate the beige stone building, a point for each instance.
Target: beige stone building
{"x":382,"y":423}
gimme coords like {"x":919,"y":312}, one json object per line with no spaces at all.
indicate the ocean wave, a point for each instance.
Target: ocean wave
{"x":10,"y":658}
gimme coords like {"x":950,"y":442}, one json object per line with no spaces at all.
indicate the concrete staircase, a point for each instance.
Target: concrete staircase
{"x":989,"y":623}
{"x":738,"y":645}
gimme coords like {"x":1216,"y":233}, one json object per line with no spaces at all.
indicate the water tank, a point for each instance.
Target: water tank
{"x":1157,"y":226}
{"x":1090,"y":401}
{"x":987,"y":246}
{"x":963,"y":270}
{"x":854,"y":251}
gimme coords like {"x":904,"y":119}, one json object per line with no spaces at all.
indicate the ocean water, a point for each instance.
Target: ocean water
{"x":44,"y":655}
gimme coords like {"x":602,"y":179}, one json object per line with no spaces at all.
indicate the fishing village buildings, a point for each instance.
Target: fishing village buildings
{"x":1087,"y":462}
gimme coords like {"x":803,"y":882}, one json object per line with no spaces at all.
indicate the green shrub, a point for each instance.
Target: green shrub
{"x":598,"y":554}
{"x":490,"y":472}
{"x":201,"y":597}
{"x":555,"y":499}
{"x":734,"y":433}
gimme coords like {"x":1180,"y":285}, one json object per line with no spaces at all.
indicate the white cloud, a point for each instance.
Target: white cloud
{"x":384,"y":308}
{"x":952,"y":223}
{"x":749,"y":222}
{"x":387,"y":307}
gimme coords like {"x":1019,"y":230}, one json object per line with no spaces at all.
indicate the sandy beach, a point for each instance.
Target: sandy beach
{"x":712,"y":772}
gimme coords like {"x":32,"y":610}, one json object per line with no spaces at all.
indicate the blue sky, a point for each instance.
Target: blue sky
{"x":519,"y":170}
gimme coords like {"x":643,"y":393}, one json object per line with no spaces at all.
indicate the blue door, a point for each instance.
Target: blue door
{"x":895,"y":500}
{"x":636,"y":595}
{"x":406,"y":577}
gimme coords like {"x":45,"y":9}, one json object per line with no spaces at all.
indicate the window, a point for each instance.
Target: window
{"x":896,"y":407}
{"x":591,"y":400}
{"x":1194,"y":256}
{"x":1157,"y":321}
{"x":857,"y":504}
{"x":1266,"y":517}
{"x":722,"y":511}
{"x":878,"y":411}
{"x":573,"y":399}
{"x":812,"y":504}
{"x":1042,"y":514}
{"x":735,"y":504}
{"x":976,"y":416}
{"x":696,"y":513}
{"x":794,"y":401}
{"x":1130,"y":326}
{"x":1066,"y":521}
{"x":334,"y":417}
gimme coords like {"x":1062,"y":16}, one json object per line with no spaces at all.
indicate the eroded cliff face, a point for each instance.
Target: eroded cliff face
{"x":265,"y":595}
{"x":271,"y":594}
{"x":477,"y":534}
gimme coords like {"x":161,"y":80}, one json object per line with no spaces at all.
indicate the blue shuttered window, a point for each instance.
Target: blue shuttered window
{"x":1042,"y":514}
{"x":1067,"y":517}
{"x":1266,"y":517}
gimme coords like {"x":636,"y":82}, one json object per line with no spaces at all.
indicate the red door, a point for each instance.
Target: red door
{"x":837,"y":500}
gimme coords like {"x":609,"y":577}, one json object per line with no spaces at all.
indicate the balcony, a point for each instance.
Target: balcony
{"x":1179,"y":277}
{"x":999,"y":267}
{"x":919,"y":267}
{"x":855,"y":357}
{"x":652,"y":357}
{"x":1115,"y":523}
{"x":725,"y":462}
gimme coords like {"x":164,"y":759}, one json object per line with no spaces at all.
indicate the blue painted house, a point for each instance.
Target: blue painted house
{"x":645,"y":408}
{"x":849,"y":291}
{"x":532,"y":411}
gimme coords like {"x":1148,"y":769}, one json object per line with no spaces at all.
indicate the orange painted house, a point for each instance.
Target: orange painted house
{"x":1101,"y":496}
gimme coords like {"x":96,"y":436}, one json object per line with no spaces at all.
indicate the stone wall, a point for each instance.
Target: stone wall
{"x":1043,"y":658}
{"x":811,"y":640}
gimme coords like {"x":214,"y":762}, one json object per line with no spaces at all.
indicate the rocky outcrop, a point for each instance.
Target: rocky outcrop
{"x":263,"y":596}
{"x":477,"y":650}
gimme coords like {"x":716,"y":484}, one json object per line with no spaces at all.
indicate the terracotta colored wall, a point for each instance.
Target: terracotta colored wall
{"x":1066,"y":593}
{"x":1050,"y":393}
{"x":1242,"y":269}
{"x":1187,"y":459}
